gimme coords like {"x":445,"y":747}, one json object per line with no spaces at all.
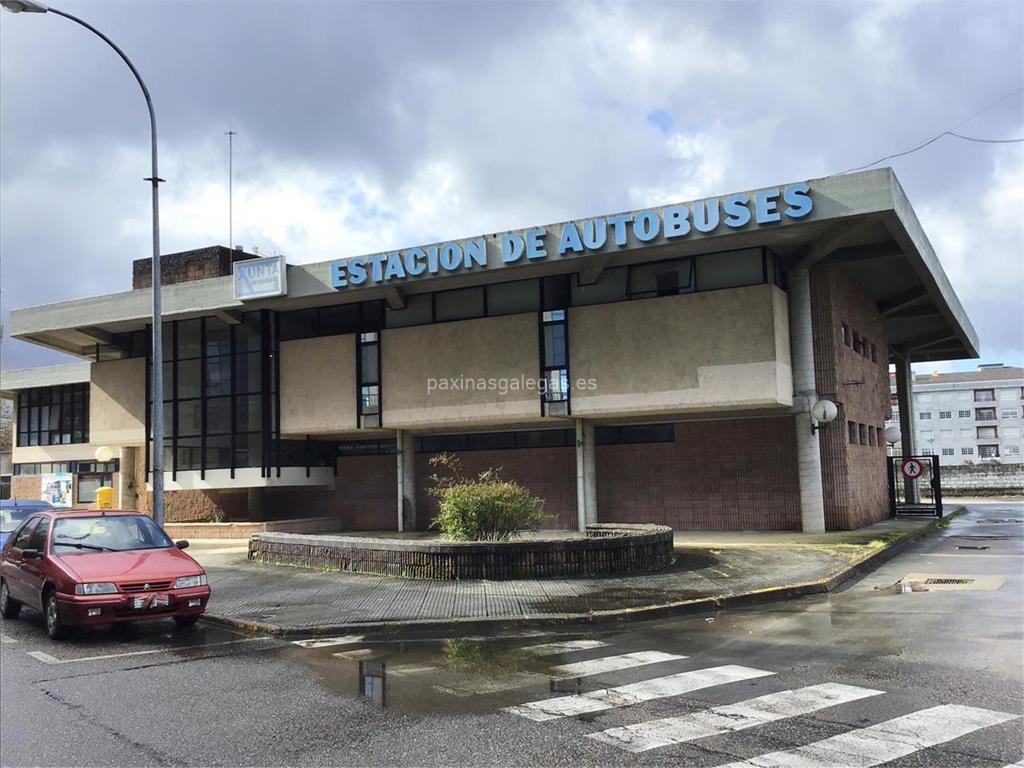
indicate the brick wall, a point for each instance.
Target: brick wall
{"x":734,"y":474}
{"x":364,"y":496}
{"x":854,"y":475}
{"x":199,"y":264}
{"x":549,"y":473}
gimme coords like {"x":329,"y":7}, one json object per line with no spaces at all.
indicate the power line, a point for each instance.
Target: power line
{"x":950,"y":132}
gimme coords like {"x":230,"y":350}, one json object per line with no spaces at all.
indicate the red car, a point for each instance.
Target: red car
{"x":87,"y":567}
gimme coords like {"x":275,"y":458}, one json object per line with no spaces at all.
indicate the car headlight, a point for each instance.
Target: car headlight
{"x":190,"y":581}
{"x":96,"y":588}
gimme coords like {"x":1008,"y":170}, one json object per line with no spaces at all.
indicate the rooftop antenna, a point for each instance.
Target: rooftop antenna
{"x":231,"y":135}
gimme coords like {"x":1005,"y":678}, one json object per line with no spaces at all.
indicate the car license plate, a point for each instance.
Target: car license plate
{"x":153,"y":602}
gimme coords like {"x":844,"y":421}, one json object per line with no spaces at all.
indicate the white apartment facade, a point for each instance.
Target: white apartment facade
{"x":968,"y":418}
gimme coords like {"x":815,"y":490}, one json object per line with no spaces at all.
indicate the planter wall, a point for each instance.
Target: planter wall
{"x":605,"y":549}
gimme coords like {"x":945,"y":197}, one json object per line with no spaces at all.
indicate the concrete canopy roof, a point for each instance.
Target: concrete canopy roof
{"x":45,"y":376}
{"x":862,"y":221}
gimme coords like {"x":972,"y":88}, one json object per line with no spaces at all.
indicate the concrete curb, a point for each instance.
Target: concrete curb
{"x":396,"y":629}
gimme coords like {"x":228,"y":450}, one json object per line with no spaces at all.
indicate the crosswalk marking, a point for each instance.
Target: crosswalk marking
{"x":877,"y":744}
{"x":734,"y":717}
{"x":550,"y":649}
{"x":634,"y":693}
{"x":612,"y":663}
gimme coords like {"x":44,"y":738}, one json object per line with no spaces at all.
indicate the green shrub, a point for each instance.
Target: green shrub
{"x":482,"y":508}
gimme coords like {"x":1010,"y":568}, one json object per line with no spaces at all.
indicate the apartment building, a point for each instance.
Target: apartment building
{"x":969,"y":417}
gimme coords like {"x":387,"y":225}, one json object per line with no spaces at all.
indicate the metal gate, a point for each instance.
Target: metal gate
{"x":915,"y":485}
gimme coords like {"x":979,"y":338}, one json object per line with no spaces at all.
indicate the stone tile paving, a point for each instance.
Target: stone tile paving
{"x":294,"y":597}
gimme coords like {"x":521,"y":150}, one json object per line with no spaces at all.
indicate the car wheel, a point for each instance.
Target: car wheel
{"x":55,"y":628}
{"x":184,"y":622}
{"x":9,"y":607}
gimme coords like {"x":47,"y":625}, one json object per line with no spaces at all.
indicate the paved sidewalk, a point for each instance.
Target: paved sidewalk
{"x":712,"y":570}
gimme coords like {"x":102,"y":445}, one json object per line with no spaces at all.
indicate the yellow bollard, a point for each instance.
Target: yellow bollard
{"x":104,"y":498}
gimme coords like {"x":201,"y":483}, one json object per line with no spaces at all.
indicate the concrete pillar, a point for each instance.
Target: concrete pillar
{"x":127,"y":493}
{"x":586,"y":474}
{"x":905,"y":402}
{"x":805,"y":395}
{"x":405,"y":443}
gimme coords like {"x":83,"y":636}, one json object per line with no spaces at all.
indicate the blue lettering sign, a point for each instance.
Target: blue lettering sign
{"x":628,"y":230}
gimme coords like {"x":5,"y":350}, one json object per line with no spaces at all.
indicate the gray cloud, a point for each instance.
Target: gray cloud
{"x":369,"y":126}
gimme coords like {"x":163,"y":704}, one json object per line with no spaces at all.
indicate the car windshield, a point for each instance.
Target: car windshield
{"x":107,"y":533}
{"x":11,"y":517}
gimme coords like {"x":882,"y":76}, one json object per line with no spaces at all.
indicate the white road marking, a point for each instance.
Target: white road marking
{"x":734,"y":717}
{"x":634,"y":693}
{"x":881,"y":743}
{"x":550,"y":649}
{"x":6,"y":639}
{"x":48,"y":659}
{"x":612,"y":663}
{"x":326,"y":642}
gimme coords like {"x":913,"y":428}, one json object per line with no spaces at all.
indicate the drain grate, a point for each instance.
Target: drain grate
{"x":949,"y":581}
{"x":964,"y":546}
{"x":970,"y":582}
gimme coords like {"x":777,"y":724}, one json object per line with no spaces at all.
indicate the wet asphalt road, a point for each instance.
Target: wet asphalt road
{"x":889,"y":665}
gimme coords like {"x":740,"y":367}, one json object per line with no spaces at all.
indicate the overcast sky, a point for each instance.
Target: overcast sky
{"x":365,"y":127}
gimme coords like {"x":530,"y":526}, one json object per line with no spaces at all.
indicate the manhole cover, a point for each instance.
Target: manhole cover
{"x":949,"y":581}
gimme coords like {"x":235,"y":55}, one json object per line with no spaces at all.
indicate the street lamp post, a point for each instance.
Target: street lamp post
{"x":156,"y":355}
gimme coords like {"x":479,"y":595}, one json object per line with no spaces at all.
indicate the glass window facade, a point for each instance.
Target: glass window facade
{"x":53,"y":415}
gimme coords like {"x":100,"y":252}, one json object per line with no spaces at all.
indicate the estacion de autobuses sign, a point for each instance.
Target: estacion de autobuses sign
{"x":622,"y":230}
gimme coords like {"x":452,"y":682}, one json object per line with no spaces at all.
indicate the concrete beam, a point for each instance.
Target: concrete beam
{"x":592,"y":268}
{"x":928,"y":340}
{"x":901,"y":300}
{"x":229,"y":316}
{"x":97,"y":334}
{"x":827,"y":243}
{"x":886,"y":250}
{"x":915,"y":311}
{"x":394,"y":297}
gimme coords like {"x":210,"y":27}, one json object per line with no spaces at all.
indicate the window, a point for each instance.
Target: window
{"x":858,"y":343}
{"x":661,"y":278}
{"x":967,"y":433}
{"x":730,"y":269}
{"x":846,"y":334}
{"x":53,"y":415}
{"x":368,"y":373}
{"x":1013,"y":450}
{"x":1013,"y":413}
{"x":462,"y":304}
{"x":418,"y":310}
{"x":948,"y":451}
{"x":966,"y":451}
{"x":489,"y":441}
{"x":988,"y":433}
{"x":984,"y":395}
{"x":963,"y":414}
{"x":945,"y":433}
{"x":21,"y":540}
{"x":988,"y":451}
{"x":220,"y":390}
{"x":851,"y":430}
{"x":925,"y":415}
{"x":554,"y":363}
{"x":38,"y":538}
{"x":945,"y":414}
{"x":985,"y":414}
{"x":871,"y":436}
{"x":1006,"y":394}
{"x":512,"y":298}
{"x":633,"y":434}
{"x":610,"y":286}
{"x":863,"y":434}
{"x":87,"y":485}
